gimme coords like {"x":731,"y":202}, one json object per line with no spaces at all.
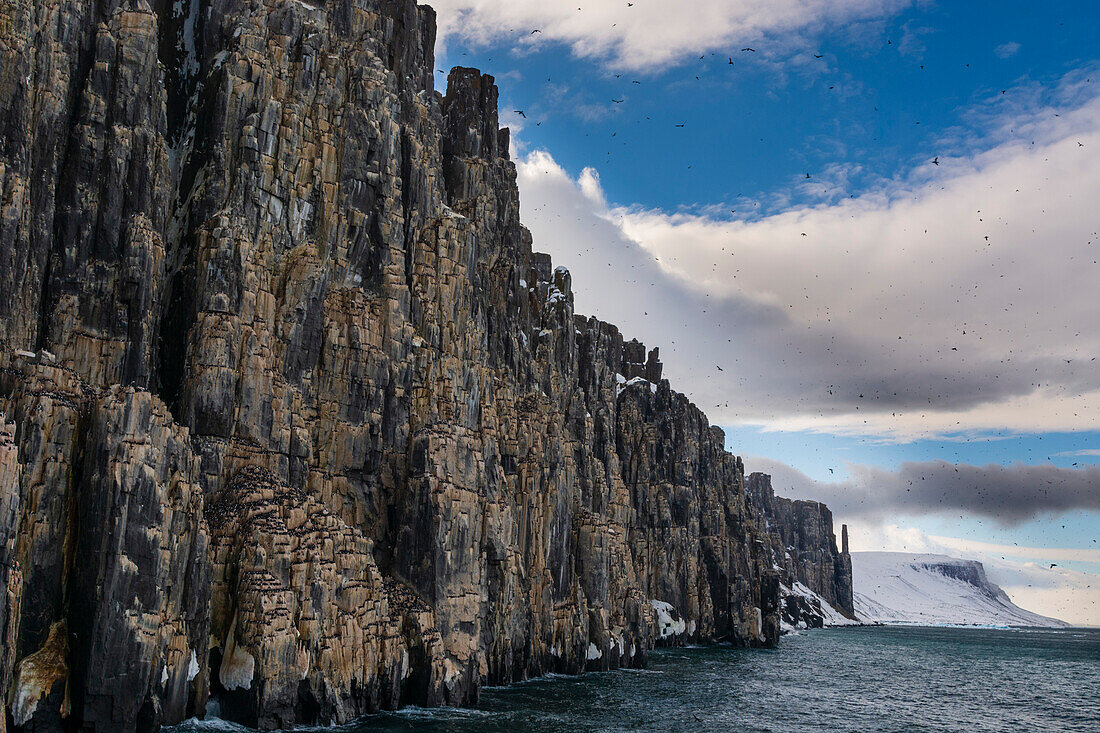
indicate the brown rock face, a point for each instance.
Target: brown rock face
{"x":802,"y":543}
{"x":291,"y":415}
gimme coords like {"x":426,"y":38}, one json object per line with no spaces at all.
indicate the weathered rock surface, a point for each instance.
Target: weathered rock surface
{"x":801,"y":542}
{"x":292,"y":415}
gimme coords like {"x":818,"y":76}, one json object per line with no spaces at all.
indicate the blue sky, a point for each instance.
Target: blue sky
{"x":753,"y":127}
{"x":883,"y":314}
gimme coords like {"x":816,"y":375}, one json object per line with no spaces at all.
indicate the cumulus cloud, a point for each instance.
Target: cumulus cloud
{"x":1008,"y":494}
{"x":646,"y":35}
{"x":956,"y":297}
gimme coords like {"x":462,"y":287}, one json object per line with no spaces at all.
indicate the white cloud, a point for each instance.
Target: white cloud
{"x":647,"y":35}
{"x":888,"y":314}
{"x":1007,"y":50}
{"x":1048,"y":554}
{"x":1059,"y":592}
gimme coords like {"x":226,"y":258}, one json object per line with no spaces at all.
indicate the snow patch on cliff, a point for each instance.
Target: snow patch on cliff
{"x":643,"y":380}
{"x":829,"y":615}
{"x":669,"y":622}
{"x":622,"y":383}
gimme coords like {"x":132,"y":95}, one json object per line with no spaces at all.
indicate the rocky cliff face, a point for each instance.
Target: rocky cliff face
{"x":291,"y":414}
{"x":802,"y":544}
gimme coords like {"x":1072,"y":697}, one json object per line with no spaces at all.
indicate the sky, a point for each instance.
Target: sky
{"x":865,"y":235}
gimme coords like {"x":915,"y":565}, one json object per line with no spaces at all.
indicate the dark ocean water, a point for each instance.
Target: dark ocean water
{"x":847,"y":679}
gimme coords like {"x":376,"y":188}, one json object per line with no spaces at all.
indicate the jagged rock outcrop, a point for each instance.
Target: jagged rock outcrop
{"x":802,"y":544}
{"x":292,"y":414}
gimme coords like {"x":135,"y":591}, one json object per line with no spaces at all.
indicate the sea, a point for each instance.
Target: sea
{"x":872,"y":678}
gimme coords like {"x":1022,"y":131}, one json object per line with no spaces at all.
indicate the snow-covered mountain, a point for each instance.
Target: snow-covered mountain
{"x":932,"y":590}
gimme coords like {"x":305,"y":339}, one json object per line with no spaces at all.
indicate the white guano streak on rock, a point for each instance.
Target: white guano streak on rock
{"x":238,"y":666}
{"x":38,"y":673}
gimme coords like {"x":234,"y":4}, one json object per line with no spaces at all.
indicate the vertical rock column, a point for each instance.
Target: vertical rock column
{"x":11,"y":576}
{"x":110,"y":631}
{"x":842,"y":583}
{"x":45,"y":403}
{"x":137,"y":617}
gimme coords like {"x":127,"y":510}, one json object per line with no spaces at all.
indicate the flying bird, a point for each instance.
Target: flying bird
{"x":535,"y":31}
{"x":752,"y":50}
{"x":936,"y":160}
{"x":681,"y":124}
{"x":520,"y":113}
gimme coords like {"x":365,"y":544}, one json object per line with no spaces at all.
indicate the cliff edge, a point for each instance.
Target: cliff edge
{"x":291,"y":414}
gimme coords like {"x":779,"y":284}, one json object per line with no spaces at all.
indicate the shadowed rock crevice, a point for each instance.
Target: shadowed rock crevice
{"x":179,"y":47}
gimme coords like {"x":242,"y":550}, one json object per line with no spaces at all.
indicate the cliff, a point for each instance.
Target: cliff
{"x":291,"y":414}
{"x":802,"y":545}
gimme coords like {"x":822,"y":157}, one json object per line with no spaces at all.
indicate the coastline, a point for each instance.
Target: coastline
{"x":728,"y":687}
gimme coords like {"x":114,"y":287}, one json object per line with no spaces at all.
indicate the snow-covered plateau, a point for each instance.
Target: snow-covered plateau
{"x":933,"y":590}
